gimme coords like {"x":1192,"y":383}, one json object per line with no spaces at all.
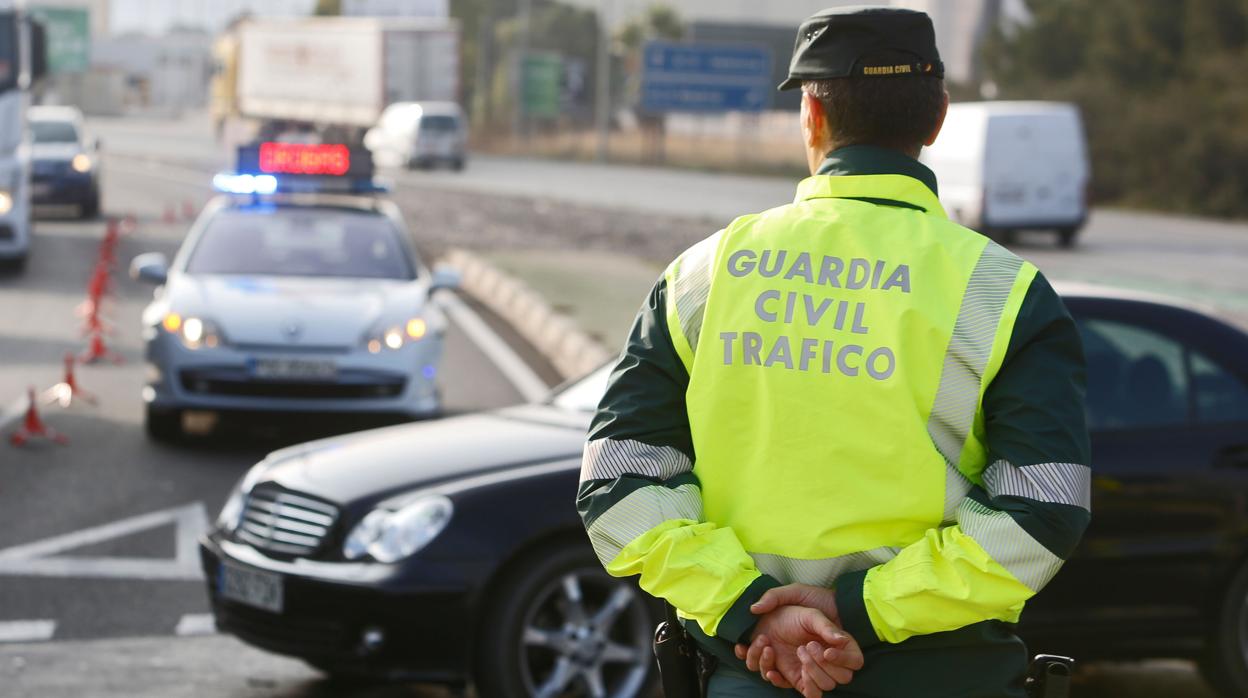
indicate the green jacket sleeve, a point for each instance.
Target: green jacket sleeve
{"x":639,"y":499}
{"x":1012,"y":534}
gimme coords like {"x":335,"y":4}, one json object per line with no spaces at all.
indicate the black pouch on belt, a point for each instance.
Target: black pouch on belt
{"x":677,"y":654}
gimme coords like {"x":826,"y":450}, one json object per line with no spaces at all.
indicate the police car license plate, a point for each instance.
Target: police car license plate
{"x":294,"y":369}
{"x":251,"y":587}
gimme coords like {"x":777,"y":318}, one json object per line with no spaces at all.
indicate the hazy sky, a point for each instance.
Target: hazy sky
{"x":155,"y":16}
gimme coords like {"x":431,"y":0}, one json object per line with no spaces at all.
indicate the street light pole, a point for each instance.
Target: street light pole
{"x":602,"y":80}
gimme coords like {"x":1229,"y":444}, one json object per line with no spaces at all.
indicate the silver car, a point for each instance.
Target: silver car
{"x":297,"y":303}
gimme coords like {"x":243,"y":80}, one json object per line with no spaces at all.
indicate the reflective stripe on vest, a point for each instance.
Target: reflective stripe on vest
{"x":837,"y":348}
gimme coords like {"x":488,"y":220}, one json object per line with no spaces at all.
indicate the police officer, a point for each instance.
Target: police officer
{"x":845,"y":439}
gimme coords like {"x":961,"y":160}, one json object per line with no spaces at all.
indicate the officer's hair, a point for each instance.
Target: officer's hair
{"x":893,"y":112}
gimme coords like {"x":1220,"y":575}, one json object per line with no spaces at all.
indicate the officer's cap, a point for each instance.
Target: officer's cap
{"x":864,"y":41}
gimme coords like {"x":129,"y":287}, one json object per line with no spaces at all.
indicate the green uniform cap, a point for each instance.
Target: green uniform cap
{"x":864,"y":41}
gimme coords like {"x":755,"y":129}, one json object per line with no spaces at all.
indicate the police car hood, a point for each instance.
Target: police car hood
{"x":322,"y":312}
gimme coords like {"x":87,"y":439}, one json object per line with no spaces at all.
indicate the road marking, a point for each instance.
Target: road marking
{"x":513,"y":368}
{"x":26,"y":630}
{"x":196,"y":624}
{"x":39,"y":559}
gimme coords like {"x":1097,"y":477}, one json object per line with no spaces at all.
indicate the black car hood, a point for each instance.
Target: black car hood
{"x":377,"y":463}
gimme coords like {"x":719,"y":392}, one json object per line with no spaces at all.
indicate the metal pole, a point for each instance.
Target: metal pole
{"x":602,"y":81}
{"x":521,"y":118}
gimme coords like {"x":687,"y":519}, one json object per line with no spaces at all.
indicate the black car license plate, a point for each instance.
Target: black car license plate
{"x":254,"y":588}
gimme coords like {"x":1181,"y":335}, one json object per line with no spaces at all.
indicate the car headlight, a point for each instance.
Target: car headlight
{"x":395,"y":336}
{"x":195,"y":332}
{"x":81,"y":163}
{"x":231,"y":515}
{"x":389,"y":535}
{"x":6,"y":202}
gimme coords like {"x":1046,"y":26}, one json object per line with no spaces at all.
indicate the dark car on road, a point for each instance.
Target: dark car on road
{"x":66,"y":163}
{"x":450,"y":551}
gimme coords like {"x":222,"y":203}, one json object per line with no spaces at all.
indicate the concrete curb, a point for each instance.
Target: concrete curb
{"x":556,"y":336}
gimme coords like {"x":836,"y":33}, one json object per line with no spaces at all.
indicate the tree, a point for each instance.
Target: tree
{"x":1158,"y":84}
{"x":328,"y":7}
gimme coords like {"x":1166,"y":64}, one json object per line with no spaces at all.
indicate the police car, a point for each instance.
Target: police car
{"x":297,"y":290}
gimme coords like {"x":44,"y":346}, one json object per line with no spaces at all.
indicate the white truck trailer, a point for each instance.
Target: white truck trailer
{"x":22,"y":53}
{"x":342,"y":72}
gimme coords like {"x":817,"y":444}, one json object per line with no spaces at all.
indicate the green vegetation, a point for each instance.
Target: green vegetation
{"x":1161,"y":86}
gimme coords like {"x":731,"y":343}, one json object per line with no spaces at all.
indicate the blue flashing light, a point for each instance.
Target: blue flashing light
{"x":428,"y":372}
{"x":245,"y":183}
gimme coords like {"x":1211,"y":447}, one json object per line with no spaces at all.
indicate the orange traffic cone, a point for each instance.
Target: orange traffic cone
{"x":65,"y":392}
{"x":188,"y":210}
{"x":97,"y":351}
{"x":171,"y":216}
{"x":34,"y":428}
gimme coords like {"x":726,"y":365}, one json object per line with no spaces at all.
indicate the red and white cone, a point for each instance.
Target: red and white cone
{"x":171,"y":215}
{"x":33,"y":427}
{"x":67,"y":391}
{"x":98,"y":351}
{"x":188,"y":210}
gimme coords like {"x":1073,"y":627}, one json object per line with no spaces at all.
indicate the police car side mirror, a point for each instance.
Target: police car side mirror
{"x":151,"y":268}
{"x":444,"y":276}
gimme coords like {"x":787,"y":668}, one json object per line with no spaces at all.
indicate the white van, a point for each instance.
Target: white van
{"x":420,"y":134}
{"x":1010,"y":166}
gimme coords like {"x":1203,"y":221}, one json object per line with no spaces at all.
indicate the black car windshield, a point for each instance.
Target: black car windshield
{"x":584,"y":394}
{"x":54,"y":132}
{"x":288,"y":241}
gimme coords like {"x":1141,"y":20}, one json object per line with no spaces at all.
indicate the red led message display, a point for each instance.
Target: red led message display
{"x":303,"y":158}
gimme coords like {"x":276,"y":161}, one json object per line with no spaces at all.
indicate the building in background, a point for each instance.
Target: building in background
{"x":158,"y":74}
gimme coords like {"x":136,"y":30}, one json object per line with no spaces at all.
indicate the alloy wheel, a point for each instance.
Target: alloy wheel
{"x":586,"y":634}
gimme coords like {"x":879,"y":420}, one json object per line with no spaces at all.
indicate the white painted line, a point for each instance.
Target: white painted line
{"x":196,"y":624}
{"x":525,"y":380}
{"x":40,"y":558}
{"x":27,"y":630}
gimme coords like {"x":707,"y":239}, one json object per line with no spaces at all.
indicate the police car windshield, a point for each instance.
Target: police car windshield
{"x":279,"y":241}
{"x":54,"y":132}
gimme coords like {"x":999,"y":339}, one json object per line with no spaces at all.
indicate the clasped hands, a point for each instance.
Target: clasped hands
{"x":798,"y":642}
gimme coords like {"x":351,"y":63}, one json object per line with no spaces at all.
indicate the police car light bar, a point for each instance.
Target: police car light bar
{"x":245,"y":183}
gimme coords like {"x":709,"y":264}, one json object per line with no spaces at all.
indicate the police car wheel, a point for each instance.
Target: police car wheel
{"x":558,"y":625}
{"x":163,"y":425}
{"x":1225,"y":664}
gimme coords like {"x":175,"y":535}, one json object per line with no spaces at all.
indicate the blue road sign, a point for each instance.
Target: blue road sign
{"x":705,"y":77}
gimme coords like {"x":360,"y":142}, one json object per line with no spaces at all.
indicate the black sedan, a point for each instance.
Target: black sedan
{"x":450,"y":551}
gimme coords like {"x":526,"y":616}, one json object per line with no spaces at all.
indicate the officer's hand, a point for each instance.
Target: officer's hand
{"x":827,"y":668}
{"x":798,"y":595}
{"x":773,"y":650}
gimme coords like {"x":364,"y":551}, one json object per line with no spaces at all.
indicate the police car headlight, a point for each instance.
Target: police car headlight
{"x":389,"y":535}
{"x":396,"y":336}
{"x":81,"y":163}
{"x":195,"y":332}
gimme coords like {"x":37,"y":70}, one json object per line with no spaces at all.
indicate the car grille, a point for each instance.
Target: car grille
{"x":285,"y":523}
{"x":204,"y":383}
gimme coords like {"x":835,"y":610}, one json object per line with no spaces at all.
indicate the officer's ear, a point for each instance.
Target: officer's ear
{"x":814,"y":121}
{"x":940,"y":121}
